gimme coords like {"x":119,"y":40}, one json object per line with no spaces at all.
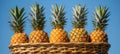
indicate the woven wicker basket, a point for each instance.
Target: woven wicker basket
{"x":60,"y":48}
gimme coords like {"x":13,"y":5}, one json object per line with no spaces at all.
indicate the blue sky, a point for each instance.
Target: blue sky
{"x":113,"y":29}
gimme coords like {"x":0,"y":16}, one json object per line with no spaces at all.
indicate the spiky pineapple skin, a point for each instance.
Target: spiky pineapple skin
{"x":18,"y":38}
{"x":79,"y":35}
{"x":38,"y":36}
{"x":98,"y":36}
{"x":58,"y":35}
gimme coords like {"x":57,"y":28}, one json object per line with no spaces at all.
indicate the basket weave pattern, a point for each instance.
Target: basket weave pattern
{"x":60,"y":48}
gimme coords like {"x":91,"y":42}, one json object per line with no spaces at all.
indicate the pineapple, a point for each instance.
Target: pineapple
{"x":58,"y":34}
{"x":17,"y":24}
{"x":100,"y":22}
{"x":78,"y":33}
{"x":37,"y":22}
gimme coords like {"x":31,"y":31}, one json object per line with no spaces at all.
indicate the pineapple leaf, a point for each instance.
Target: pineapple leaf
{"x":79,"y":16}
{"x":17,"y":20}
{"x":37,"y":16}
{"x":58,"y":16}
{"x":101,"y":17}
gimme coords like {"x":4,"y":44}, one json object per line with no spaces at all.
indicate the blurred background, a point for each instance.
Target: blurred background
{"x":113,"y":29}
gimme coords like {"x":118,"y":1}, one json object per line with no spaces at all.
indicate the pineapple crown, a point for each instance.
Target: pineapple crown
{"x":79,"y":16}
{"x":37,"y":16}
{"x":18,"y":19}
{"x":58,"y":16}
{"x":101,"y":17}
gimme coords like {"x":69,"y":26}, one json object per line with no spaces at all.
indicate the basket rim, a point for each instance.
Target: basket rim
{"x":66,"y":43}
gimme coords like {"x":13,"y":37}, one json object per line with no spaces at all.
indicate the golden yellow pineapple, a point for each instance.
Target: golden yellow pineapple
{"x":37,"y":22}
{"x":58,"y":34}
{"x":18,"y":38}
{"x":17,"y":24}
{"x":78,"y":33}
{"x":100,"y":22}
